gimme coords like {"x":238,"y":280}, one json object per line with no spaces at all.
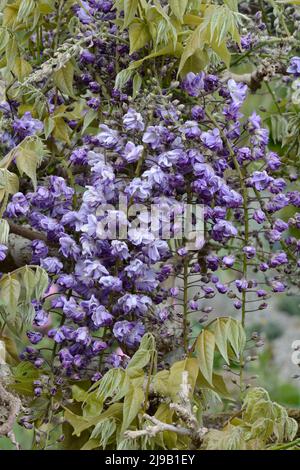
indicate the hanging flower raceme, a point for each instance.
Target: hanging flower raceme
{"x":111,"y":250}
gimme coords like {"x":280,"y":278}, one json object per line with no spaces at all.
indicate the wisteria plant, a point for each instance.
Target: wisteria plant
{"x":140,"y":190}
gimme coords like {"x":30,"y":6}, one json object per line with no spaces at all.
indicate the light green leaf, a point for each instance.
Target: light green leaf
{"x":220,"y":328}
{"x":229,"y":439}
{"x":49,"y":125}
{"x":139,"y":35}
{"x":142,"y":356}
{"x":104,"y":431}
{"x":63,"y":78}
{"x":28,"y":282}
{"x":123,"y":77}
{"x":27,"y":161}
{"x":9,"y":184}
{"x":110,"y":384}
{"x":204,"y":350}
{"x":4,"y":232}
{"x":178,"y":7}
{"x":196,"y":62}
{"x":189,"y":365}
{"x":130,"y":9}
{"x":21,"y":68}
{"x":91,"y":444}
{"x":88,"y":119}
{"x":4,"y":38}
{"x":160,"y":382}
{"x":61,"y":130}
{"x":25,"y":9}
{"x":137,"y":83}
{"x":222,"y":51}
{"x":81,"y":423}
{"x":9,"y":293}
{"x":236,"y":337}
{"x":11,"y":52}
{"x":42,"y":282}
{"x":132,"y":405}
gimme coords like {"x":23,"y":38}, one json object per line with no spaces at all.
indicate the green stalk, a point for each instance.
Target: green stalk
{"x":185,"y":306}
{"x":246,"y":225}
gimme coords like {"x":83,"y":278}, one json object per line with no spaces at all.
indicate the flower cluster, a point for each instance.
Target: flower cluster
{"x":108,"y":288}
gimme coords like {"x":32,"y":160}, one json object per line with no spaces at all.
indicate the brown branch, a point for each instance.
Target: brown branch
{"x":13,"y":405}
{"x":266,"y":70}
{"x":183,"y":409}
{"x":26,"y":232}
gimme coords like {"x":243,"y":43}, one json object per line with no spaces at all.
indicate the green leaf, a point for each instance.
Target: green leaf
{"x":139,"y":35}
{"x":291,"y":429}
{"x":137,"y":83}
{"x":61,"y":130}
{"x":195,"y":63}
{"x":49,"y":125}
{"x":110,"y":384}
{"x":257,"y":401}
{"x":236,"y":337}
{"x":81,"y":423}
{"x":88,"y":119}
{"x":11,"y":52}
{"x":123,"y":77}
{"x":204,"y":350}
{"x":130,"y":9}
{"x":10,"y":13}
{"x":104,"y":431}
{"x":28,"y":282}
{"x":142,"y":356}
{"x":165,"y":414}
{"x":160,"y":382}
{"x":167,"y":50}
{"x":27,"y":161}
{"x":132,"y":405}
{"x":9,"y":293}
{"x":91,"y":444}
{"x":25,"y":9}
{"x":189,"y":365}
{"x":222,"y":51}
{"x":21,"y":68}
{"x":63,"y":78}
{"x":194,"y":44}
{"x":4,"y":38}
{"x":220,"y":328}
{"x":42,"y":282}
{"x":9,"y":184}
{"x":229,"y":439}
{"x":4,"y":232}
{"x":178,"y":7}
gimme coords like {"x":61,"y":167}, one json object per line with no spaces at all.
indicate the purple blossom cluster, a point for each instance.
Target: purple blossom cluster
{"x":108,"y":289}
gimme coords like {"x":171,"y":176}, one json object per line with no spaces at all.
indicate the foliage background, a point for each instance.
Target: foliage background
{"x":44,"y":53}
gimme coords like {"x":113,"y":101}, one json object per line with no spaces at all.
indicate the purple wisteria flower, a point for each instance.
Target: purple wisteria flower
{"x":129,"y":333}
{"x":52,"y":264}
{"x":101,"y":317}
{"x":27,"y":125}
{"x":133,"y":152}
{"x":294,"y":66}
{"x":18,"y":206}
{"x":110,"y":266}
{"x":193,"y":84}
{"x":133,"y":121}
{"x":260,"y":180}
{"x":34,"y":336}
{"x":212,"y":139}
{"x":238,"y":91}
{"x":138,"y":304}
{"x":3,"y":252}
